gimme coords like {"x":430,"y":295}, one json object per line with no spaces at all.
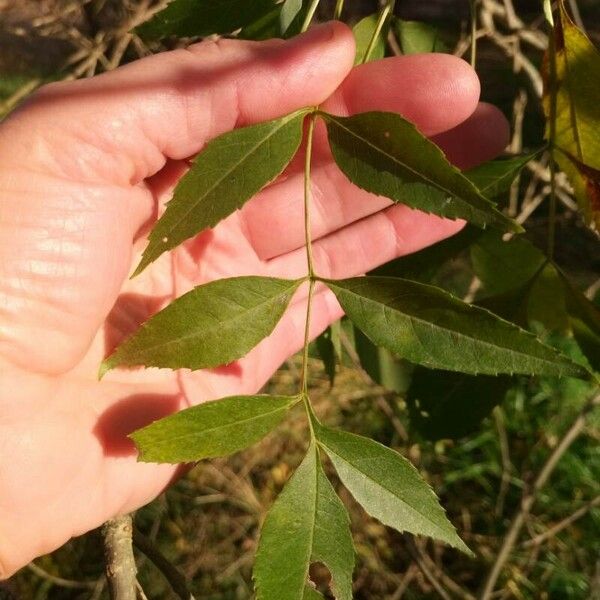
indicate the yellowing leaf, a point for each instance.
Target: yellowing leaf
{"x":576,"y":85}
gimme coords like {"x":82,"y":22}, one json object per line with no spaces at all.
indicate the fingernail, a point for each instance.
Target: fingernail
{"x":324,"y":32}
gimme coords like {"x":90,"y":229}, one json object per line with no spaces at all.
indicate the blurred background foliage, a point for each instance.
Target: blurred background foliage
{"x":207,"y":524}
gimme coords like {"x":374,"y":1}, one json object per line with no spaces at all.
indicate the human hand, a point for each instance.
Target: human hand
{"x":85,"y":168}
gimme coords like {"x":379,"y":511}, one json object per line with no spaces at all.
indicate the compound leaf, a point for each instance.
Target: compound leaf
{"x":192,"y":18}
{"x":224,"y":176}
{"x":385,"y":154}
{"x":217,"y":428}
{"x":307,"y":523}
{"x":387,"y":486}
{"x":212,"y":325}
{"x":429,"y":326}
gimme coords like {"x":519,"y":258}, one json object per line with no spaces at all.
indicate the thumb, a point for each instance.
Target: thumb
{"x":73,"y":160}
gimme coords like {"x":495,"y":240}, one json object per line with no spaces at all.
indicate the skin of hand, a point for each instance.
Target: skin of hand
{"x":86,"y":167}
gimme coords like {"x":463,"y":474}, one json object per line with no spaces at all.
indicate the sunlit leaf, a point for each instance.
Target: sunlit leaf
{"x":452,"y":405}
{"x":306,"y":524}
{"x":416,"y":37}
{"x":385,"y":154}
{"x":429,"y":326}
{"x":191,"y":18}
{"x":290,"y":9}
{"x":227,"y":173}
{"x":577,"y":111}
{"x":217,"y":428}
{"x":364,"y":31}
{"x":494,"y":178}
{"x":387,"y":486}
{"x":212,"y":325}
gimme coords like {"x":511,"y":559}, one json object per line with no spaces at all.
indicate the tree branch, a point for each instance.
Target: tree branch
{"x":175,"y":578}
{"x":120,"y":562}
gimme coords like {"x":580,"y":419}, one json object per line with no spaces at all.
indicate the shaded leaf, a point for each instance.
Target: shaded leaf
{"x":212,"y":429}
{"x":385,"y":154}
{"x":311,"y":594}
{"x":424,"y":265}
{"x":264,"y":28}
{"x":428,"y":326}
{"x":364,"y":31}
{"x":225,"y":175}
{"x":504,"y":265}
{"x":191,"y":18}
{"x":584,"y":317}
{"x":452,"y":405}
{"x":383,"y":367}
{"x":307,"y":523}
{"x":546,"y":302}
{"x":494,"y":178}
{"x":328,"y":352}
{"x":387,"y":486}
{"x":416,"y":37}
{"x":577,"y":111}
{"x":212,"y":325}
{"x":290,"y":9}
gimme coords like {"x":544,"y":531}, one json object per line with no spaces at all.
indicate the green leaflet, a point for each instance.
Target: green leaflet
{"x":584,"y":318}
{"x":504,"y":265}
{"x":429,"y":326}
{"x":212,"y":325}
{"x":452,"y":405}
{"x":387,"y":486}
{"x":382,"y":366}
{"x":197,"y":18}
{"x":385,"y":154}
{"x":217,"y":428}
{"x":363,"y":34}
{"x":311,"y":594}
{"x":327,"y":350}
{"x":494,"y":178}
{"x":225,"y":175}
{"x":307,"y":523}
{"x":416,"y":37}
{"x":290,"y":9}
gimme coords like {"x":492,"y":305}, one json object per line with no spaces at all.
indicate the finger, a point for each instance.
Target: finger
{"x":74,"y":156}
{"x":128,"y":121}
{"x":335,"y":202}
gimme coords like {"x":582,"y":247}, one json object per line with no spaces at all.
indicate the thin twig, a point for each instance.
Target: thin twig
{"x":120,"y":562}
{"x":61,"y":581}
{"x":530,"y":496}
{"x":175,"y":578}
{"x":566,"y":522}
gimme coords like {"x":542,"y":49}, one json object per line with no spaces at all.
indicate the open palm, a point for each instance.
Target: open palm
{"x":86,"y":167}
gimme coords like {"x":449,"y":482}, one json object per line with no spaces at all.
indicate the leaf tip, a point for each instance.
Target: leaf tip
{"x":105,"y":367}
